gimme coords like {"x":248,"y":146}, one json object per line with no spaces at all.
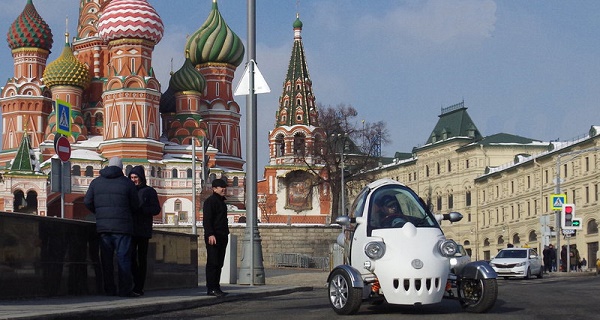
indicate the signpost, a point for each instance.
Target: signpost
{"x":63,"y":149}
{"x":63,"y":116}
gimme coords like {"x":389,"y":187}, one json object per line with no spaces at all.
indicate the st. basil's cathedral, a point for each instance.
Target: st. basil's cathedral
{"x":118,"y":108}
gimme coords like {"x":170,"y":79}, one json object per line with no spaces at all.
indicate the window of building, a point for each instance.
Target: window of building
{"x":587,"y":164}
{"x":299,"y":144}
{"x":512,"y":187}
{"x":174,"y":173}
{"x":528,"y":182}
{"x":565,"y":171}
{"x":592,"y":227}
{"x":76,"y":171}
{"x":449,"y":166}
{"x":468,"y":198}
{"x":159,"y":173}
{"x":189,"y":173}
{"x":89,"y":171}
{"x":133,"y":130}
{"x":177,"y":205}
{"x":467,"y":164}
{"x":438,"y":169}
{"x":532,"y":236}
{"x":587,"y":194}
{"x":235,"y":182}
{"x":427,"y":171}
{"x":450,"y":201}
{"x":439,"y":203}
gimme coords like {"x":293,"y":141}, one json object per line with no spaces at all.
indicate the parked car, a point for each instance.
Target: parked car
{"x":518,"y":263}
{"x":395,"y":252}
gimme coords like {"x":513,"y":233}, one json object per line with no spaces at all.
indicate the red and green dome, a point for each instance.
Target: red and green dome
{"x":29,"y":30}
{"x":215,"y":42}
{"x":67,"y":70}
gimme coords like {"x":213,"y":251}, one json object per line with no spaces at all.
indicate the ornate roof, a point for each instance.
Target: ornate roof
{"x":29,"y":30}
{"x":297,"y":101}
{"x":67,"y":70}
{"x":187,"y":78}
{"x":215,"y":42}
{"x":454,"y":122}
{"x":131,"y":19}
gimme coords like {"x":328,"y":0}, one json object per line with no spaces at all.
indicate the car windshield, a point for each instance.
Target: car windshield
{"x":393,"y":206}
{"x":512,"y":254}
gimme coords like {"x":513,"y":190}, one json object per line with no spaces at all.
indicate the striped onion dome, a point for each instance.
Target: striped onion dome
{"x":67,"y":70}
{"x":29,"y":30}
{"x":215,"y":42}
{"x":130,"y":19}
{"x":187,"y":78}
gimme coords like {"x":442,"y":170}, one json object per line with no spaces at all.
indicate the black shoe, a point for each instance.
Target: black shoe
{"x":138,"y":292}
{"x":131,"y":294}
{"x":216,"y":293}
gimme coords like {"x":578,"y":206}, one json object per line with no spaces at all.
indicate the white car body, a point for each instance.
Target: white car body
{"x":517,"y":263}
{"x":396,"y":251}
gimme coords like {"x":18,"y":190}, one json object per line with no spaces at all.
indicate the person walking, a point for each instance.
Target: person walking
{"x":216,"y":231}
{"x":113,"y":198}
{"x":149,"y":206}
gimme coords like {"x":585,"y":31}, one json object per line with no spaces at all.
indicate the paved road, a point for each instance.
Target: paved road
{"x":551,"y":297}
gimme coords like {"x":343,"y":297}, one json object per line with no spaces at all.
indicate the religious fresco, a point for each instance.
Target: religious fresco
{"x":299,"y":191}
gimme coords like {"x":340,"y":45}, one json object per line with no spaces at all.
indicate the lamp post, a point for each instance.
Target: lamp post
{"x":342,"y":165}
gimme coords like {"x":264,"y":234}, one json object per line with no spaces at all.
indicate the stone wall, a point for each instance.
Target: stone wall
{"x":313,"y":241}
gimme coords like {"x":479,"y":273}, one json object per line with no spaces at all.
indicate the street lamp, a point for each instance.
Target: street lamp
{"x":343,"y":195}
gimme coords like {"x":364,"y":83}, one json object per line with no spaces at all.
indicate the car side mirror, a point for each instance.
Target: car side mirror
{"x":453,"y":216}
{"x":343,"y":220}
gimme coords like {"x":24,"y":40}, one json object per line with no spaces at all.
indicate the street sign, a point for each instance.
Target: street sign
{"x":557,"y":201}
{"x":63,"y":116}
{"x":568,"y":232}
{"x":63,"y":149}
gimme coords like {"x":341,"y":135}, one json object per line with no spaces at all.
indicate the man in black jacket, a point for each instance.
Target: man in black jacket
{"x":113,"y":198}
{"x":142,"y":227}
{"x":216,"y":231}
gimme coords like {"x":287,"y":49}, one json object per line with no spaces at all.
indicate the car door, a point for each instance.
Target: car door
{"x":535,"y":262}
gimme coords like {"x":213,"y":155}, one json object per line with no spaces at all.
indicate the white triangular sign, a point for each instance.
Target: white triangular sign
{"x":260,"y":85}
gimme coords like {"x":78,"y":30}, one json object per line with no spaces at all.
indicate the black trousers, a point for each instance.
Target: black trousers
{"x":139,"y":262}
{"x":215,"y":257}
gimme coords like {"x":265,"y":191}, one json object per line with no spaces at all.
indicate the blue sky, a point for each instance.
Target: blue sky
{"x":530,"y":68}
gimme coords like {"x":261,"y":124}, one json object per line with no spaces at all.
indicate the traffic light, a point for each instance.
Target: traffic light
{"x":567,"y":216}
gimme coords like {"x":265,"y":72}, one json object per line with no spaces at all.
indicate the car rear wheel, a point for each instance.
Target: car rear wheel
{"x":477,"y":295}
{"x":343,"y":298}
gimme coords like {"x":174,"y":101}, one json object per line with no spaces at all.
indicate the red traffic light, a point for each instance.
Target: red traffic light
{"x":568,"y":209}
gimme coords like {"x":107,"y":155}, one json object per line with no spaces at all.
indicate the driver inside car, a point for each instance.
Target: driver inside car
{"x":390,"y":214}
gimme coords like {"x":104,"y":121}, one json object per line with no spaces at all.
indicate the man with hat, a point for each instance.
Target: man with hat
{"x":216,"y":231}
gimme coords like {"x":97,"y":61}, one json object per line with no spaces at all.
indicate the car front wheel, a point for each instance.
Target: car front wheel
{"x":477,"y":295}
{"x":343,"y":298}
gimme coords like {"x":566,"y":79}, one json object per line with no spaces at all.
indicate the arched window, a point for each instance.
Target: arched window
{"x":89,"y":171}
{"x":486,"y":242}
{"x":299,"y":144}
{"x":468,"y":198}
{"x":159,"y":173}
{"x":235,"y":182}
{"x":449,"y":166}
{"x":174,"y":173}
{"x":152,"y":171}
{"x":189,"y":173}
{"x":592,"y":227}
{"x":279,"y":146}
{"x":516,"y":239}
{"x":76,"y":171}
{"x":19,"y":201}
{"x":500,"y":239}
{"x":532,"y":236}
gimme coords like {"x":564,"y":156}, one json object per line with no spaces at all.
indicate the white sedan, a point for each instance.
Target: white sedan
{"x":517,"y":263}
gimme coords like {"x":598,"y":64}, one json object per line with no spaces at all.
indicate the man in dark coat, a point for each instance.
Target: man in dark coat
{"x":216,"y":231}
{"x":113,"y":198}
{"x":142,"y":227}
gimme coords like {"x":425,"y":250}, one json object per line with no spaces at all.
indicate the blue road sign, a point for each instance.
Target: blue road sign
{"x":557,"y":201}
{"x":63,"y":116}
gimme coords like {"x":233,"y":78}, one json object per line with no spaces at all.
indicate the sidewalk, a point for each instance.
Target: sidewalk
{"x":103,"y":307}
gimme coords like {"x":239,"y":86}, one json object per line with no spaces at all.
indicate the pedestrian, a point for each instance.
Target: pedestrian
{"x":547,"y":259}
{"x":583,"y":264}
{"x":563,"y":258}
{"x":216,"y":231}
{"x":113,"y":198}
{"x":149,"y":206}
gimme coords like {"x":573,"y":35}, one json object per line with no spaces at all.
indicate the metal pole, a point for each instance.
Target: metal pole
{"x":194,"y":227}
{"x":343,"y":185}
{"x":252,"y":271}
{"x":557,"y":216}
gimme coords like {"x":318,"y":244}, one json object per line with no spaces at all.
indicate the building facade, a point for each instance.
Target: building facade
{"x":291,"y":192}
{"x":503,"y":184}
{"x":118,"y":109}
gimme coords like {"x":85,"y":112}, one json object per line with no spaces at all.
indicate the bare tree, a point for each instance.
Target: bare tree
{"x":355,"y":141}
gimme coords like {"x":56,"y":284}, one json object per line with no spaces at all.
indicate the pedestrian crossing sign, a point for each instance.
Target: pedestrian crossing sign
{"x":557,"y":201}
{"x":63,"y":118}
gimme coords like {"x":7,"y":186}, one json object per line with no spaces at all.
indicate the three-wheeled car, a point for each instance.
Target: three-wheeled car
{"x":395,"y":252}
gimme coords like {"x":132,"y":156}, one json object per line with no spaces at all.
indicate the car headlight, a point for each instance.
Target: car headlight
{"x":447,"y":247}
{"x":520,"y":264}
{"x":375,"y":250}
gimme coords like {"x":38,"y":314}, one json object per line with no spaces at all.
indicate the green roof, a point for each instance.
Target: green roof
{"x":454,"y":122}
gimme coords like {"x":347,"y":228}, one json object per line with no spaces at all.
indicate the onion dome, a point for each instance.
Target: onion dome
{"x":130,"y":19}
{"x":297,"y":23}
{"x":187,"y":78}
{"x":67,"y":70}
{"x":167,"y":102}
{"x":215,"y":42}
{"x":29,"y":30}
